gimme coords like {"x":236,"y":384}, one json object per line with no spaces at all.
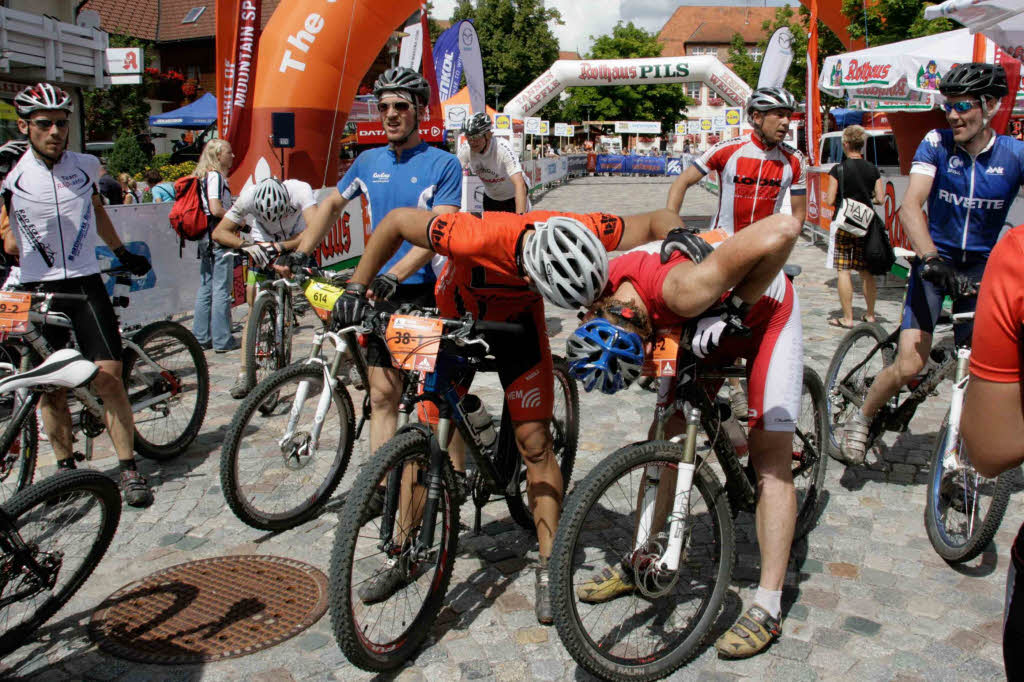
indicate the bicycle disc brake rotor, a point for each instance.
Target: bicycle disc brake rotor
{"x":296,"y":450}
{"x":652,"y":580}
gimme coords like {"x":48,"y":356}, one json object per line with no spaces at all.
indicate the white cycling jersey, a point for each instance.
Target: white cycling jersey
{"x":495,"y":166}
{"x":243,"y":211}
{"x":52,"y":216}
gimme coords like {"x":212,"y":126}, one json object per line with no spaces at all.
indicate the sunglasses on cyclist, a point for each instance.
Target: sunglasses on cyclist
{"x":961,"y":107}
{"x":46,"y":124}
{"x":400,"y":107}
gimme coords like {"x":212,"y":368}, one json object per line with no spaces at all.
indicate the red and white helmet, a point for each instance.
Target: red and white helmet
{"x":41,"y":97}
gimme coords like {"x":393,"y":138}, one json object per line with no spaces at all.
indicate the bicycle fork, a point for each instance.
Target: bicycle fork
{"x":323,"y":402}
{"x":951,"y":456}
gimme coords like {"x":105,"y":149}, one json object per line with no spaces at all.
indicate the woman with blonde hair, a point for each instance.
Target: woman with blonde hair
{"x":129,"y":194}
{"x":861,"y":181}
{"x":212,"y":322}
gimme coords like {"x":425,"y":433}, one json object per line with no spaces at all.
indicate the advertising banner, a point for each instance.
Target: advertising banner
{"x":777,"y":59}
{"x":733,"y":116}
{"x":693,"y":127}
{"x":718,"y":123}
{"x":410,"y":54}
{"x":647,"y":165}
{"x":577,"y":164}
{"x":673,"y":166}
{"x":681,"y":128}
{"x":124,"y":64}
{"x":560,"y":129}
{"x":448,"y":63}
{"x":531,"y":125}
{"x":570,"y":131}
{"x":706,"y":125}
{"x":502,"y":122}
{"x":638,"y":127}
{"x":238,"y":38}
{"x":455,"y":115}
{"x":544,"y":127}
{"x":472,"y":62}
{"x":372,"y":132}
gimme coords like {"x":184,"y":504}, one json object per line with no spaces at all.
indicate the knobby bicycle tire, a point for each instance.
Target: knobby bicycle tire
{"x":353,"y":639}
{"x":836,"y":405}
{"x":565,"y":451}
{"x":52,"y":498}
{"x":571,"y":527}
{"x":246,"y":421}
{"x":812,"y":455}
{"x":18,"y":465}
{"x":984,"y":531}
{"x":275,"y":358}
{"x":181,"y":433}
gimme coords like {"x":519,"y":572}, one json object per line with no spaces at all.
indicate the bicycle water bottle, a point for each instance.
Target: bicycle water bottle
{"x":479,"y":420}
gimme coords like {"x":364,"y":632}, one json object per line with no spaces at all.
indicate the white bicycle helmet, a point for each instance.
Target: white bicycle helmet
{"x":41,"y":97}
{"x":766,"y":99}
{"x":477,"y":124}
{"x":566,"y":261}
{"x":271,"y":200}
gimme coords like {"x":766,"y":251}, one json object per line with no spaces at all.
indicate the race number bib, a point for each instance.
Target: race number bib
{"x":14,"y":307}
{"x":664,"y":352}
{"x":414,"y":342}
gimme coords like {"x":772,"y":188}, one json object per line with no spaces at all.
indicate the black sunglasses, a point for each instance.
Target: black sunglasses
{"x":46,"y":124}
{"x":400,"y":107}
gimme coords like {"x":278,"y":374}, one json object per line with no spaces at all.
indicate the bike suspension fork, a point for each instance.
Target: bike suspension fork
{"x":435,"y":471}
{"x":951,"y":457}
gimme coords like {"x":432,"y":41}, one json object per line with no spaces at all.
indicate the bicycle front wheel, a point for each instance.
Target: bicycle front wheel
{"x":263,"y":354}
{"x":850,"y":375}
{"x":169,"y":395}
{"x":565,"y":434}
{"x":384,"y":594}
{"x":650,"y":622}
{"x":964,"y":508}
{"x":279,"y":466}
{"x":66,"y":523}
{"x":18,"y":464}
{"x":809,"y":460}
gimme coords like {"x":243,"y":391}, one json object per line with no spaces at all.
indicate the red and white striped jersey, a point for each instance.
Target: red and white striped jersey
{"x":753,"y":180}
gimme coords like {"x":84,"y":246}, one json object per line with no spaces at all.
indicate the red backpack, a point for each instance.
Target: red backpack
{"x":187,"y":216}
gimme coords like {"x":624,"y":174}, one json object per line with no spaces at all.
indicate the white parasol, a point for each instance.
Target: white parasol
{"x":1002,"y":21}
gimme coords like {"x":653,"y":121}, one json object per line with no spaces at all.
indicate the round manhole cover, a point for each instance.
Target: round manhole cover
{"x":210,"y":609}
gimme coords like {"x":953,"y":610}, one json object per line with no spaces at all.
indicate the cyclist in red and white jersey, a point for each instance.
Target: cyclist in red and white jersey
{"x":754,"y":172}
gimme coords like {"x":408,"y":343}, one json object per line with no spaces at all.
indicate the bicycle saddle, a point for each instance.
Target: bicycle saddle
{"x":64,"y":369}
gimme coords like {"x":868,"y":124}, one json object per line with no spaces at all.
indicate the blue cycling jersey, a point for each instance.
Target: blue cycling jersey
{"x":969,"y":198}
{"x":423,"y":177}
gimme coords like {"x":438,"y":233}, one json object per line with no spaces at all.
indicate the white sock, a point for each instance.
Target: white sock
{"x":770,"y":601}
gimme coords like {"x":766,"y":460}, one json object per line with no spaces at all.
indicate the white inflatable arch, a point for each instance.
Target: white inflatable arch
{"x":567,"y":73}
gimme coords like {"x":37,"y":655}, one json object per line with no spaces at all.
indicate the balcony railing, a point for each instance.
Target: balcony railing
{"x":60,"y":52}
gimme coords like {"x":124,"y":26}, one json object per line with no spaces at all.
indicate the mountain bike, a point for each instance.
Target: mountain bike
{"x":290,"y":441}
{"x":403,"y":508}
{"x":657,"y":510}
{"x":964,"y":509}
{"x":52,"y":534}
{"x":268,"y":342}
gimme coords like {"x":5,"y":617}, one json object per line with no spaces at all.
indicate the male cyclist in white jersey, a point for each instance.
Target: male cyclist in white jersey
{"x":494,"y":161}
{"x":274,"y":214}
{"x":56,"y":215}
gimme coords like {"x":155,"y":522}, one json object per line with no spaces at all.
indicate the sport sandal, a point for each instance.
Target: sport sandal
{"x":607,"y":585}
{"x":751,"y":634}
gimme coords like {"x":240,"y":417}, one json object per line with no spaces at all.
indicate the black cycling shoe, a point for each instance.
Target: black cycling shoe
{"x":542,"y":596}
{"x":134,"y":489}
{"x":241,"y":387}
{"x":385,"y":583}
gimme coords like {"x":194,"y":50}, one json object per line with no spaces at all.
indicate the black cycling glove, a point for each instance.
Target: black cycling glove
{"x":296,"y":260}
{"x":940,"y":273}
{"x":133,"y":262}
{"x":685,"y":239}
{"x":384,"y":286}
{"x":350,"y":307}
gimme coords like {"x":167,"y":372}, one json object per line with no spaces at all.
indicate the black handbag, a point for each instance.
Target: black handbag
{"x":878,"y":253}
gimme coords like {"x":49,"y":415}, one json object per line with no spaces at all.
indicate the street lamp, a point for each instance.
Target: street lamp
{"x":496,"y":89}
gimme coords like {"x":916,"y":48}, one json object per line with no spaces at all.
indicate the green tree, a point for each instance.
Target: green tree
{"x":516,"y":42}
{"x":663,"y":103}
{"x":126,"y":156}
{"x":889,"y":21}
{"x":120,"y":108}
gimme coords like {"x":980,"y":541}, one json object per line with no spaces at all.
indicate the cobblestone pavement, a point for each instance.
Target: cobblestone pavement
{"x":867,"y":598}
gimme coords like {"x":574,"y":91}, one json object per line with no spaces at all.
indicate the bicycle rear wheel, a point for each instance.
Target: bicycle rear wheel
{"x":175,"y":393}
{"x":661,"y":623}
{"x":382,"y":632}
{"x":964,"y":508}
{"x":67,"y":522}
{"x":275,"y":484}
{"x":18,"y":463}
{"x":809,"y":461}
{"x":846,"y":388}
{"x":263,"y":354}
{"x":565,"y":434}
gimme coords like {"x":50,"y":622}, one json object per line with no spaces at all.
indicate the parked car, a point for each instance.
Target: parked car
{"x":879,"y":149}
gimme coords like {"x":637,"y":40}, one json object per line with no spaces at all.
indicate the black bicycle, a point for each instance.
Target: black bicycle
{"x":403,"y":509}
{"x":656,"y":510}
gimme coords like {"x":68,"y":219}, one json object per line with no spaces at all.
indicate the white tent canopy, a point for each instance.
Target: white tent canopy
{"x":1002,"y":21}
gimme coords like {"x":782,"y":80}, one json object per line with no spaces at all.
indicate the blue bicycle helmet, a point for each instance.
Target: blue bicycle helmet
{"x":604,"y":356}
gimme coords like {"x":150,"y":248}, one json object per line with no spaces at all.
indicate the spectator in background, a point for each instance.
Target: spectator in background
{"x":212,"y":322}
{"x":161,"y":191}
{"x":147,"y":146}
{"x":861,"y":182}
{"x":129,"y":189}
{"x":180,"y":143}
{"x":110,"y":189}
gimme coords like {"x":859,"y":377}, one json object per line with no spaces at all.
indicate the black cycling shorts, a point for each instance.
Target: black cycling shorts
{"x":377,"y":353}
{"x":94,"y":322}
{"x":497,"y":206}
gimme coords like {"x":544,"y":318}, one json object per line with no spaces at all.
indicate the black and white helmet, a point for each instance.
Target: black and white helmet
{"x":271,"y":200}
{"x":766,"y":99}
{"x":566,"y":261}
{"x":477,"y":124}
{"x":41,"y":97}
{"x":976,"y":78}
{"x":401,"y":78}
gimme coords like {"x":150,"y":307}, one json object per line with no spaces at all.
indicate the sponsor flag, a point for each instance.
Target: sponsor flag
{"x":428,"y":68}
{"x":409,"y":54}
{"x":472,"y":62}
{"x":238,"y":37}
{"x":777,"y":58}
{"x":813,"y":94}
{"x":448,"y":63}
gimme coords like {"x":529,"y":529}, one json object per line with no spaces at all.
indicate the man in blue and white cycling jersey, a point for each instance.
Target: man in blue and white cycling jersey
{"x":407,"y":173}
{"x":969,"y":176}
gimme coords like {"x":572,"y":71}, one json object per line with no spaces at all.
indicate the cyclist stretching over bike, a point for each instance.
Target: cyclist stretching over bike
{"x":56,"y":215}
{"x":969,"y":176}
{"x":499,"y":267}
{"x":742,"y":284}
{"x":274,"y":213}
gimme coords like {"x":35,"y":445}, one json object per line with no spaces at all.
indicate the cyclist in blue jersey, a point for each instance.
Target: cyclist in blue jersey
{"x":969,"y":176}
{"x":407,"y":173}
